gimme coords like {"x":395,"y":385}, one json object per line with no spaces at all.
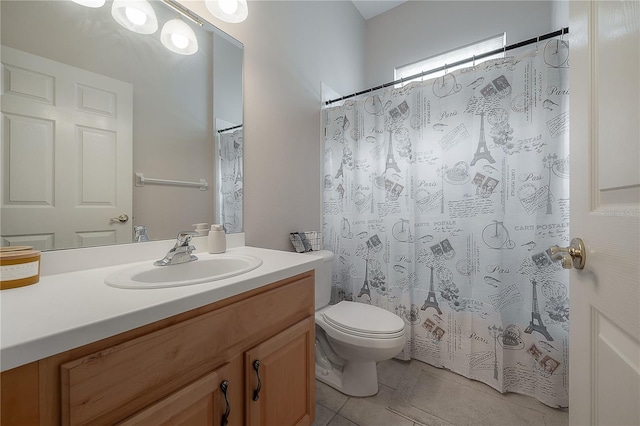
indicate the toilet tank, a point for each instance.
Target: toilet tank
{"x":323,"y":277}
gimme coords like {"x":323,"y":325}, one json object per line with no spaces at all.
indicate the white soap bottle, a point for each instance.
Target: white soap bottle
{"x":217,"y":241}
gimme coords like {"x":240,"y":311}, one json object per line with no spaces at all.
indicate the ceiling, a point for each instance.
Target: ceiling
{"x":370,"y":8}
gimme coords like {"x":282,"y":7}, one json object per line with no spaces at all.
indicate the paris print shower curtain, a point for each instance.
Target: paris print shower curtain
{"x":441,"y":199}
{"x":229,"y":175}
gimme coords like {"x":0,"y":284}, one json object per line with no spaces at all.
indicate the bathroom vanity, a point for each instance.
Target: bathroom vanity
{"x":239,"y":349}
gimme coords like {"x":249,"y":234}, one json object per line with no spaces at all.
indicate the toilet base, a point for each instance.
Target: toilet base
{"x":356,"y":379}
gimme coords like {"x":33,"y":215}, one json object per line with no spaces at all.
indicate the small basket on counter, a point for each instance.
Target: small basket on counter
{"x":19,"y":266}
{"x":306,"y":241}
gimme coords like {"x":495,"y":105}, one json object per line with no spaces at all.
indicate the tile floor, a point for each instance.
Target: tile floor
{"x":412,"y":393}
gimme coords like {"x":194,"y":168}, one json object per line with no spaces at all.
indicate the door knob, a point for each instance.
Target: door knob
{"x":123,"y":218}
{"x":575,"y":255}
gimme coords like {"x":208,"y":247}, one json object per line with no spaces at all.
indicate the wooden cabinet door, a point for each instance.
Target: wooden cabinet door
{"x":201,"y":403}
{"x":280,"y":376}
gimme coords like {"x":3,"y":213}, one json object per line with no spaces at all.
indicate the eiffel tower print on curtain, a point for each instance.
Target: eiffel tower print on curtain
{"x":431,"y":301}
{"x":536,"y":323}
{"x":482,"y":151}
{"x":391,"y":161}
{"x":365,"y":286}
{"x":239,"y":170}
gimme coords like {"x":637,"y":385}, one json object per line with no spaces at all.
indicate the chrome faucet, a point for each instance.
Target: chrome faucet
{"x":181,"y":252}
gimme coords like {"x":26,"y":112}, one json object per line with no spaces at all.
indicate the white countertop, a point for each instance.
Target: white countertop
{"x":67,"y":310}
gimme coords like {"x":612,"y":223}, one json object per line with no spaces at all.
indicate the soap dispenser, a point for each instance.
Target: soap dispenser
{"x":217,"y":241}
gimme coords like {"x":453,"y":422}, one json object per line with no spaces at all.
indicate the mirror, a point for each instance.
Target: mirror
{"x":105,"y":129}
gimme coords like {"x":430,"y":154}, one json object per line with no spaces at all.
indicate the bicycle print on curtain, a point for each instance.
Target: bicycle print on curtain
{"x":441,"y":199}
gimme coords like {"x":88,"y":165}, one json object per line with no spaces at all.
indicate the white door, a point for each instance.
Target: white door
{"x":605,"y":212}
{"x":66,"y":154}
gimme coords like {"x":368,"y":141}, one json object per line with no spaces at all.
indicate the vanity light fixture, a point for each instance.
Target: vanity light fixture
{"x":90,"y":3}
{"x":232,"y":11}
{"x":178,"y":37}
{"x":135,"y":15}
{"x":184,"y":12}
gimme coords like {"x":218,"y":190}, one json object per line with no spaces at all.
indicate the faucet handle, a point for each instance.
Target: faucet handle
{"x":184,"y":238}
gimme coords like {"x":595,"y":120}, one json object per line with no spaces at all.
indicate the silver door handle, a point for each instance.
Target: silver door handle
{"x":575,"y":255}
{"x":123,"y":218}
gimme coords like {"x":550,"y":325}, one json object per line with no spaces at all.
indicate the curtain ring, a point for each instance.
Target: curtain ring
{"x":537,"y":41}
{"x":562,"y":35}
{"x":474,"y":61}
{"x":504,"y":51}
{"x":445,"y":69}
{"x":421,"y":75}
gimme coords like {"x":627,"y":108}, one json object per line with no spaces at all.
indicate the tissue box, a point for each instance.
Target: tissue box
{"x":19,"y":266}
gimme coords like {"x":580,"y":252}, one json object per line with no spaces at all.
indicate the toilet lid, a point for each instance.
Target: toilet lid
{"x":360,"y":318}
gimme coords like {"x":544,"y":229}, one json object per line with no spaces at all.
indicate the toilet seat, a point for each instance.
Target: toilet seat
{"x":361,"y":320}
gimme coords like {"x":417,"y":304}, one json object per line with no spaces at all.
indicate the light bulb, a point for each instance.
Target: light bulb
{"x":179,"y":40}
{"x":178,"y":37}
{"x":136,"y":16}
{"x":228,"y":6}
{"x":228,"y":10}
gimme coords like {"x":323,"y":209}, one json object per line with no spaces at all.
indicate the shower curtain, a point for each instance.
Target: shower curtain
{"x":441,"y":199}
{"x":229,"y":169}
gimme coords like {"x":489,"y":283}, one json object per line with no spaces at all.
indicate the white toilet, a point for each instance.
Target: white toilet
{"x":351,"y":338}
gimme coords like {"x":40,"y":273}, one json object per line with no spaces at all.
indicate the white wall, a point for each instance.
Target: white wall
{"x":290,"y":47}
{"x":419,"y":29}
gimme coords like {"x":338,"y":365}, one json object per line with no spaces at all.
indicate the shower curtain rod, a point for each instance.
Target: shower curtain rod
{"x":230,"y":128}
{"x":560,"y":32}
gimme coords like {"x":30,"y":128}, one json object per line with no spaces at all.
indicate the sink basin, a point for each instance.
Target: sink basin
{"x":199,"y":271}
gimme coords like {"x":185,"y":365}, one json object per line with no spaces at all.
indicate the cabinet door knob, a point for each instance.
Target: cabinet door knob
{"x":224,"y":386}
{"x":256,"y":392}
